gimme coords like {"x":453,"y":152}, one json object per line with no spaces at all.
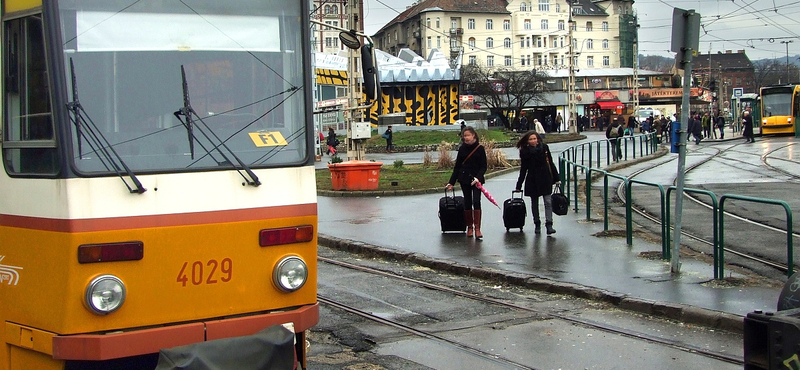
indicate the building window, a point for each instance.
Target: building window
{"x":490,"y":61}
{"x":438,"y":23}
{"x":538,"y":42}
{"x":528,"y":41}
{"x":544,"y":5}
{"x":605,"y":43}
{"x":527,"y":24}
{"x":453,"y":43}
{"x":507,"y":43}
{"x":539,"y":59}
{"x":521,"y":42}
{"x":471,"y":43}
{"x":589,"y":44}
{"x":471,"y":23}
{"x":561,"y":41}
{"x":453,"y":23}
{"x":523,"y":7}
{"x":590,"y":61}
{"x":334,"y":9}
{"x":558,"y":8}
{"x":508,"y":60}
{"x":438,"y":41}
{"x":506,"y":25}
{"x":472,"y":60}
{"x":560,"y":25}
{"x":489,"y":42}
{"x":606,"y":61}
{"x":605,"y":26}
{"x":522,"y":61}
{"x":428,"y":22}
{"x":588,"y":26}
{"x":429,"y":43}
{"x":489,"y":24}
{"x":545,"y":24}
{"x":555,"y":60}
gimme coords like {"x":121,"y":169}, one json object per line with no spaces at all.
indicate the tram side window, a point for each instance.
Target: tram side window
{"x":28,"y":136}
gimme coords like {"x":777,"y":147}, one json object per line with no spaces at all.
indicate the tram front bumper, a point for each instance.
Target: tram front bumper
{"x":99,"y":347}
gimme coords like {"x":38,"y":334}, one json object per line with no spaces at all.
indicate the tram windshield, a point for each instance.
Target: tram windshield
{"x":776,"y":102}
{"x":237,"y":64}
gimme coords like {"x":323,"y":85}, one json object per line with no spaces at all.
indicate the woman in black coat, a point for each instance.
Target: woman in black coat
{"x":468,"y":171}
{"x":539,"y":174}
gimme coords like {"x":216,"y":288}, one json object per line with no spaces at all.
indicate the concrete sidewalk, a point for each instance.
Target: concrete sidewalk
{"x":579,"y":259}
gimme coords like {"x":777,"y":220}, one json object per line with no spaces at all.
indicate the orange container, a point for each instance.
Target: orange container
{"x":355,"y":175}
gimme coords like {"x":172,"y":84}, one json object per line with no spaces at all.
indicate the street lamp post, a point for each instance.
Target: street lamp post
{"x":787,"y":58}
{"x":572,"y":106}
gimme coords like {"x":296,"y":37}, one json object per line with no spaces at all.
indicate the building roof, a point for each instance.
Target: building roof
{"x":408,"y":67}
{"x":461,"y":6}
{"x":726,"y":60}
{"x":587,"y":7}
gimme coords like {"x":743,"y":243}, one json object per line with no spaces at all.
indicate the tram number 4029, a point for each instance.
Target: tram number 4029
{"x":211,"y":272}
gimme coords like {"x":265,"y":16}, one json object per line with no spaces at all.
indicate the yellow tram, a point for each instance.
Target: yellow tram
{"x":780,"y":109}
{"x":158,"y":183}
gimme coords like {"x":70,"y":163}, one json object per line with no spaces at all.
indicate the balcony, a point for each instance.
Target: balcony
{"x":456,"y":31}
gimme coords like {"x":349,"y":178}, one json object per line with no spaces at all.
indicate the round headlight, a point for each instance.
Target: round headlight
{"x":105,"y":294}
{"x":290,"y":274}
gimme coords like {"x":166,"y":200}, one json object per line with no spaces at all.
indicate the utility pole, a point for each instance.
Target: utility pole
{"x":685,"y":42}
{"x":355,"y":150}
{"x":787,"y":58}
{"x":572,"y":106}
{"x":636,"y":72}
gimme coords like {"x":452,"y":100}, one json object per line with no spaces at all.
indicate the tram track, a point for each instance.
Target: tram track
{"x":571,"y":319}
{"x":642,"y":212}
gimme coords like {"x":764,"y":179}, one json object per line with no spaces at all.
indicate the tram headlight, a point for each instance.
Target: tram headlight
{"x":105,"y":294}
{"x":291,"y":274}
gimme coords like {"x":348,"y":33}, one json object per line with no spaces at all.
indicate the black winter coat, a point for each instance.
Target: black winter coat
{"x":474,"y":167}
{"x":537,"y":170}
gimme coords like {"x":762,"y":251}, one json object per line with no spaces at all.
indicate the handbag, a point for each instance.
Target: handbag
{"x":560,"y":202}
{"x":385,"y":135}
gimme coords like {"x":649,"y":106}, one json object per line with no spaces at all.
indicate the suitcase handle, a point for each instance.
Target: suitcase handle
{"x":453,"y":190}
{"x":517,"y":192}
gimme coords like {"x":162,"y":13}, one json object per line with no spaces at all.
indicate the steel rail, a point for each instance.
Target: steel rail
{"x":575,"y":320}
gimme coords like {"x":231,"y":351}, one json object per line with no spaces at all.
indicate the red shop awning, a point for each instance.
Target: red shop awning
{"x":614,"y":104}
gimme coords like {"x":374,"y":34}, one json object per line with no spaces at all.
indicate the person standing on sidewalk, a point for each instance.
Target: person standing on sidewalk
{"x":747,"y":122}
{"x":388,"y":136}
{"x":468,"y":171}
{"x":539,"y":174}
{"x":613,"y":133}
{"x":720,"y":124}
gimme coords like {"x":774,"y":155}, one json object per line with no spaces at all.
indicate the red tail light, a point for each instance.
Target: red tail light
{"x":286,"y":235}
{"x":110,"y":252}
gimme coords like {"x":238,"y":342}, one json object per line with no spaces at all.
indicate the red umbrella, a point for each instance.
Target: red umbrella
{"x":485,"y":192}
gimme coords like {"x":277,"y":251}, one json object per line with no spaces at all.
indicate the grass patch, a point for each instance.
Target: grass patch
{"x":408,"y":138}
{"x":407,"y":176}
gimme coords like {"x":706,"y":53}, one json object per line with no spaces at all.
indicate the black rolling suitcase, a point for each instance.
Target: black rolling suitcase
{"x":514,"y":211}
{"x":451,"y":213}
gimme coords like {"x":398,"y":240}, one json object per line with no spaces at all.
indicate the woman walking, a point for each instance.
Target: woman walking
{"x":469,"y":170}
{"x":539,"y":174}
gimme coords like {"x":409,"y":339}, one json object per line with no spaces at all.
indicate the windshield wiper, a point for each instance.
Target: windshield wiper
{"x":188,"y":112}
{"x":86,"y":128}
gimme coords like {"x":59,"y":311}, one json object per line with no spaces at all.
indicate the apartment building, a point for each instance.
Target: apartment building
{"x":517,"y":34}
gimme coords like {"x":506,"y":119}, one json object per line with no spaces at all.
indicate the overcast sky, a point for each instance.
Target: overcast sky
{"x":756,"y":26}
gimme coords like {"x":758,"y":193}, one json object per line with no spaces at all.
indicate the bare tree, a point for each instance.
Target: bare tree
{"x":767,"y":72}
{"x":504,"y":90}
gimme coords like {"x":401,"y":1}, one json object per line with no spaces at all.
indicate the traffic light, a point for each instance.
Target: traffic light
{"x":712,"y":85}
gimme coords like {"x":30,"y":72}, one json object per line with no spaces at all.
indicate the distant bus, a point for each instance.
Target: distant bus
{"x":779,"y":109}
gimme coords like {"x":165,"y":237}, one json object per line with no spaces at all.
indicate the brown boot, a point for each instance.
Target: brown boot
{"x":477,"y":217}
{"x":468,"y":219}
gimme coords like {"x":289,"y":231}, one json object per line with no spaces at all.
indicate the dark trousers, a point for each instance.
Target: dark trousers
{"x":472,"y":197}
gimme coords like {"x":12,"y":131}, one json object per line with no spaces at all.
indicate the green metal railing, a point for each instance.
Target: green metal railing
{"x":648,"y":144}
{"x":789,"y":232}
{"x":629,"y":215}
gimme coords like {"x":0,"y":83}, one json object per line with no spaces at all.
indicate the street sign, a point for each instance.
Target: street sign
{"x":738,"y":92}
